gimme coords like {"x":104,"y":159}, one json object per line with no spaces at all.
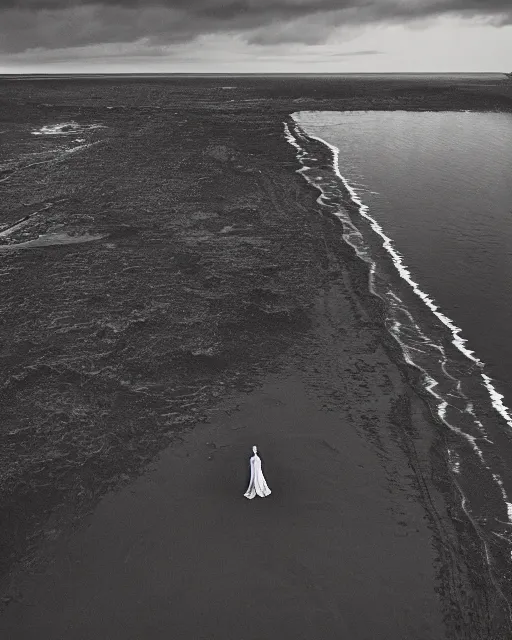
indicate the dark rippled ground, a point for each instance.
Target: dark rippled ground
{"x":146,"y":266}
{"x":187,"y":283}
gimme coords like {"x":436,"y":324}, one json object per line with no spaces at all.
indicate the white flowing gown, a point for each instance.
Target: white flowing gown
{"x":257,"y":484}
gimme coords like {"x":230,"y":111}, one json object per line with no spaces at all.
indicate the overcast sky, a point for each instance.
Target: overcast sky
{"x":197,"y":36}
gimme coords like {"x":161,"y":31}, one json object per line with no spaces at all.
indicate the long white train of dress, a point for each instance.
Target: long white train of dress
{"x":257,"y":484}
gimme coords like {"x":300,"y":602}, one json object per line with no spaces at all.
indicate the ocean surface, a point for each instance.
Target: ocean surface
{"x":426,"y":200}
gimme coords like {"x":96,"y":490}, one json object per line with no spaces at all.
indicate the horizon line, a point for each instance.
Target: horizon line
{"x":247,"y":73}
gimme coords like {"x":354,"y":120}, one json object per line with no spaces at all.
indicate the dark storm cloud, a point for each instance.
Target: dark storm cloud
{"x":51,"y":24}
{"x":237,"y":8}
{"x":298,"y":6}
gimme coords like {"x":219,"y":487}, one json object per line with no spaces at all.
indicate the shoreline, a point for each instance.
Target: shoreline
{"x":300,"y":330}
{"x":339,"y":199}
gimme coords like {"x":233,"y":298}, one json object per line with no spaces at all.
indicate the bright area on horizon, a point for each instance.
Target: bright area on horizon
{"x":255,"y":36}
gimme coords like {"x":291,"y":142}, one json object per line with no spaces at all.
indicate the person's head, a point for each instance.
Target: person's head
{"x":255,"y":449}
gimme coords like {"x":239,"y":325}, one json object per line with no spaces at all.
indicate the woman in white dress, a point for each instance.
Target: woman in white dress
{"x":257,"y":484}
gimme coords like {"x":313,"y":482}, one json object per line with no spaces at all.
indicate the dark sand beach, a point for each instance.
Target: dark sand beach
{"x":209,"y":306}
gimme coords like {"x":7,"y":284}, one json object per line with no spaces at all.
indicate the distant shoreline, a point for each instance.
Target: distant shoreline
{"x":387,"y":74}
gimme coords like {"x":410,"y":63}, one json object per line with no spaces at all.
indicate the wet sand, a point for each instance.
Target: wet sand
{"x":220,"y":310}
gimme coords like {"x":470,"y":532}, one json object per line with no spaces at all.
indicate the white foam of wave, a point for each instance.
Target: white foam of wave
{"x":422,"y":340}
{"x":499,"y":481}
{"x":65,"y":129}
{"x":497,"y":399}
{"x":454,"y":461}
{"x":442,"y":406}
{"x":470,"y":409}
{"x":405,"y":274}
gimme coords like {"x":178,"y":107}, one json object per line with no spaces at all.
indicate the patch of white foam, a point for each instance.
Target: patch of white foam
{"x":499,"y":481}
{"x":497,"y":400}
{"x":454,"y":461}
{"x":470,"y":409}
{"x":441,"y":411}
{"x":65,"y":129}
